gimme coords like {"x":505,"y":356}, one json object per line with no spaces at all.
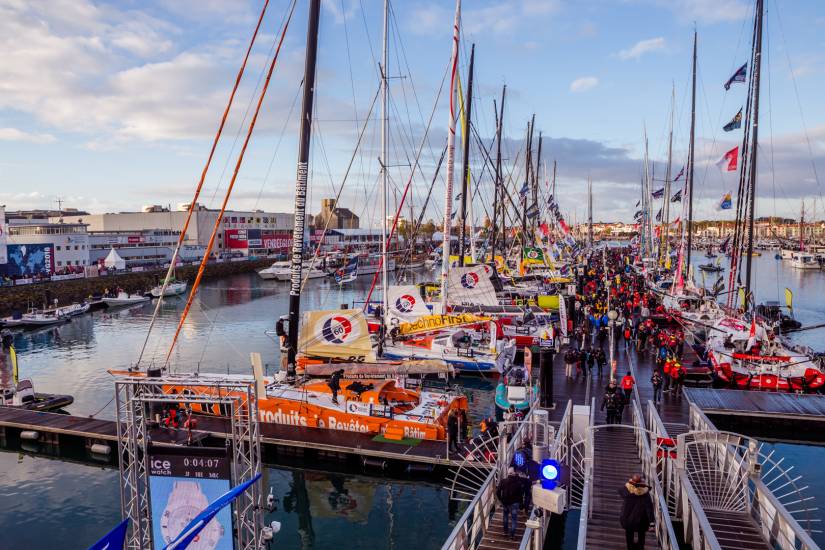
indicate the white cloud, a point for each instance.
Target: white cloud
{"x":707,"y":11}
{"x":499,"y":18}
{"x":13,"y":134}
{"x":584,"y":84}
{"x":642,"y":47}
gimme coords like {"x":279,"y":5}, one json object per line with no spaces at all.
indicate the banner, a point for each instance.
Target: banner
{"x":337,"y":334}
{"x":533,"y":255}
{"x":471,"y":286}
{"x":430,"y":323}
{"x":789,"y":299}
{"x":3,"y":253}
{"x":406,"y":303}
{"x":562,"y":316}
{"x":27,"y":260}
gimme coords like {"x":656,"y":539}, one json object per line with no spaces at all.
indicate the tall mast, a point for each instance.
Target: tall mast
{"x":304,"y":142}
{"x":528,"y":166}
{"x":664,"y":248}
{"x":757,"y":69}
{"x":554,"y":180}
{"x":536,"y":186}
{"x":691,"y":157}
{"x":589,"y":212}
{"x":448,"y":199}
{"x":384,"y":160}
{"x":465,"y":184}
{"x":496,"y":207}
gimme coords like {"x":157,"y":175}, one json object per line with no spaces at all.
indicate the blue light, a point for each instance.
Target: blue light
{"x":519,"y":459}
{"x":550,"y":473}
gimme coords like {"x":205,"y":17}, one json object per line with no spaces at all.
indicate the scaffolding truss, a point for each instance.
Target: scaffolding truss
{"x":236,"y":401}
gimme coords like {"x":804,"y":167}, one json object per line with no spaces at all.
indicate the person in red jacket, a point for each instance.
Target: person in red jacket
{"x":627,"y":386}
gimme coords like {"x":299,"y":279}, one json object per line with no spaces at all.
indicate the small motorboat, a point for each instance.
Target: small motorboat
{"x":15,"y":320}
{"x":175,"y":288}
{"x":73,"y":310}
{"x":41,"y":318}
{"x":711,"y":268}
{"x":124,"y":299}
{"x":514,"y":390}
{"x":23,"y":396}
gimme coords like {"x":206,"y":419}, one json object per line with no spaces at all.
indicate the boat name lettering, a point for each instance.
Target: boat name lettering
{"x":291,"y":418}
{"x":352,"y":426}
{"x":414,"y":433}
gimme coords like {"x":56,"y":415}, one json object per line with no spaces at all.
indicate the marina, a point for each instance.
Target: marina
{"x":356,"y":310}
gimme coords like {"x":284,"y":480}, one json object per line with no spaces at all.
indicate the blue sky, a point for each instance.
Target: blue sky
{"x":112,"y":105}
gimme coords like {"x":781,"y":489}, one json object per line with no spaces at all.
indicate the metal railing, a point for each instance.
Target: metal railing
{"x":470,"y":528}
{"x":587,"y":473}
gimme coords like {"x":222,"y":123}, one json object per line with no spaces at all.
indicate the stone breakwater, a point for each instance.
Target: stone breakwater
{"x":75,"y":290}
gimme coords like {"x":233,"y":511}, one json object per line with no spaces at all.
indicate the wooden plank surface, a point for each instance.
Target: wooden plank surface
{"x":753,"y":403}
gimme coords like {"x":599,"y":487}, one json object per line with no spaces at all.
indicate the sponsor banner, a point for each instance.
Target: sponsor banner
{"x":406,"y":303}
{"x":562,"y":316}
{"x":471,"y":286}
{"x":3,"y":240}
{"x":27,"y":260}
{"x":134,"y":239}
{"x":235,"y":238}
{"x":68,"y":277}
{"x":19,"y":282}
{"x":341,"y":334}
{"x":430,"y":323}
{"x":253,"y":238}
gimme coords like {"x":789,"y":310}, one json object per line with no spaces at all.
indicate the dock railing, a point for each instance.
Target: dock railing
{"x":470,"y":528}
{"x":587,"y":476}
{"x":778,"y":525}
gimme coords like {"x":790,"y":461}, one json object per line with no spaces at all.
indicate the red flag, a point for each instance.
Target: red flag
{"x":676,"y":221}
{"x":753,"y":329}
{"x":729,"y":161}
{"x":544,"y":229}
{"x":564,"y":227}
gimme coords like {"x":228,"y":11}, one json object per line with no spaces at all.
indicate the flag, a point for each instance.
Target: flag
{"x":533,"y":255}
{"x":676,"y":221}
{"x":735,"y":122}
{"x":723,"y":248}
{"x":726,"y":203}
{"x":659,"y":216}
{"x":789,"y":299}
{"x":681,"y":173}
{"x":638,"y":214}
{"x":545,"y":229}
{"x":738,"y":76}
{"x":729,"y":160}
{"x":457,"y":196}
{"x":658,"y":194}
{"x":532,"y":211}
{"x":677,"y":197}
{"x":114,"y":539}
{"x":523,"y":191}
{"x":15,"y":373}
{"x":638,"y":202}
{"x":188,"y":534}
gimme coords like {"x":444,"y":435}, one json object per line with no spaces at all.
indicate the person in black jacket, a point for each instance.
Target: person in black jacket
{"x":510,"y":493}
{"x":637,"y":512}
{"x":335,"y":384}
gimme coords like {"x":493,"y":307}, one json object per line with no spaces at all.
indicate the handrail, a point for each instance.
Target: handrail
{"x":470,"y":528}
{"x":788,"y":526}
{"x":701,"y":535}
{"x":587,"y":489}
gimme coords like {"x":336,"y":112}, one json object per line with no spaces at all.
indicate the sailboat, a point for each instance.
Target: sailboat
{"x":348,"y":273}
{"x":174,"y":288}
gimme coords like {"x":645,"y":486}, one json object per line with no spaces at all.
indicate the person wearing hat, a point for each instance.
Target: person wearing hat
{"x":637,"y":511}
{"x":510,"y":493}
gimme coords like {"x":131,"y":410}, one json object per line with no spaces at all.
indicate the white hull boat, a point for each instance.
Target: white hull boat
{"x":174,"y":289}
{"x":124,"y":299}
{"x":282,"y":271}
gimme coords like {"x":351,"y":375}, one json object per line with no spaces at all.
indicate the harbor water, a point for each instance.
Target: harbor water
{"x":49,"y":501}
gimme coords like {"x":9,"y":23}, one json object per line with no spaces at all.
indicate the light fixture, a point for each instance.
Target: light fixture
{"x":550,"y":473}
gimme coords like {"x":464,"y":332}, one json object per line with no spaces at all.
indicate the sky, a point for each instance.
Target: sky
{"x":109,"y":106}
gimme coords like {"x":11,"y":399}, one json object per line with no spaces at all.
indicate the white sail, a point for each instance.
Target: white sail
{"x":471,"y":286}
{"x":406,"y":303}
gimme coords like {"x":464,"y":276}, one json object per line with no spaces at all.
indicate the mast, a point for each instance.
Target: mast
{"x":536,"y":186}
{"x":589,"y":212}
{"x":301,"y":182}
{"x":691,"y":157}
{"x":757,"y":69}
{"x":384,"y":137}
{"x":448,"y":202}
{"x":528,"y":166}
{"x":496,"y":207}
{"x":664,"y":248}
{"x":465,"y":184}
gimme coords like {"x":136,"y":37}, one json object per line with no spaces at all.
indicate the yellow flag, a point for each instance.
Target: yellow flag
{"x":788,"y":298}
{"x":742,"y":296}
{"x":13,"y":356}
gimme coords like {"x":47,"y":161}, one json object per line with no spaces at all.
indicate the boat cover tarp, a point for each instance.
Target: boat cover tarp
{"x":337,"y":334}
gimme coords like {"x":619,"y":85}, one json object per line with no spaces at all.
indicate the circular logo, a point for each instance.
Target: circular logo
{"x":469,"y":280}
{"x":405,"y":303}
{"x":336,"y":329}
{"x":533,"y":255}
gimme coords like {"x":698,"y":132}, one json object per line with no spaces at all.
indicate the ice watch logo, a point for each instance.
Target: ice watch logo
{"x":337,"y":329}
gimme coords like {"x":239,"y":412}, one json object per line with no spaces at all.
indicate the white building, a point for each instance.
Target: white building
{"x":36,"y":247}
{"x":239,"y":233}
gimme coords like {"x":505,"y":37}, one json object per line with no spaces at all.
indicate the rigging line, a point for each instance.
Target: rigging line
{"x":349,"y":66}
{"x":798,"y":101}
{"x":424,"y":140}
{"x":198,"y":189}
{"x":218,"y":220}
{"x":364,"y":126}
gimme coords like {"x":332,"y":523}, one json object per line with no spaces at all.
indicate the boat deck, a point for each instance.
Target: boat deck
{"x":753,"y":403}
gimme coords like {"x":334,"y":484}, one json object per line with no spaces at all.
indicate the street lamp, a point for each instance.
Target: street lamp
{"x":611,"y":317}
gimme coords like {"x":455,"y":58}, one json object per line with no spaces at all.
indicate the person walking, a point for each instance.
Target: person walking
{"x":570,"y":359}
{"x":610,"y":402}
{"x":637,"y":511}
{"x":591,"y":361}
{"x":627,"y":386}
{"x":656,"y":381}
{"x":601,"y":361}
{"x":280,"y":332}
{"x":679,"y":372}
{"x":510,"y":493}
